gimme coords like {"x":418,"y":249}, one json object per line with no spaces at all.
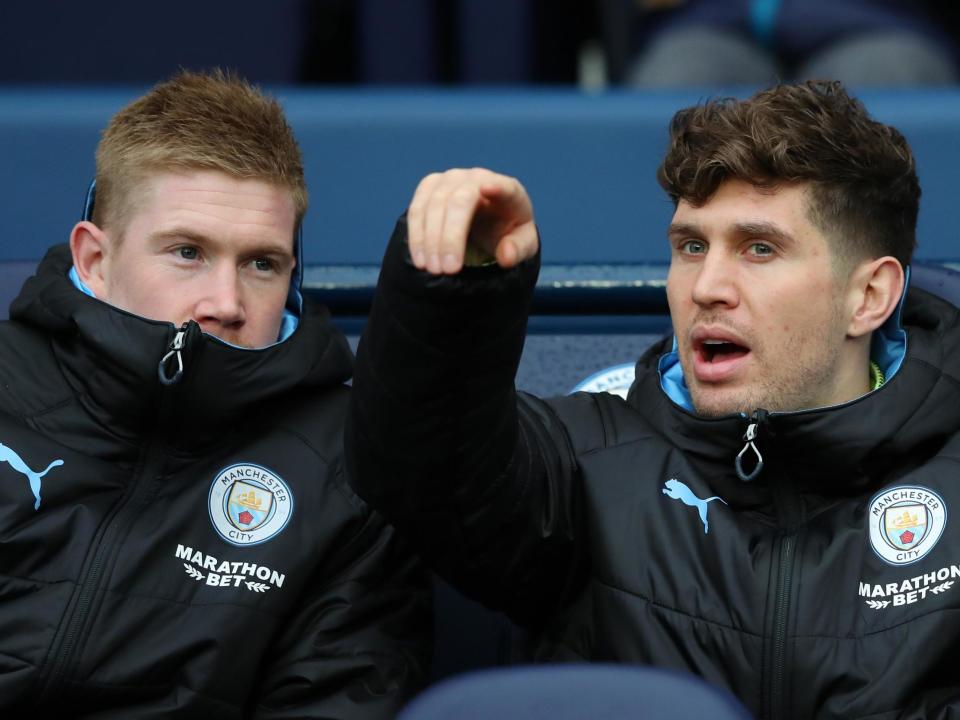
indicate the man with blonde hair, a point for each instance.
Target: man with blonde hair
{"x":178,"y":539}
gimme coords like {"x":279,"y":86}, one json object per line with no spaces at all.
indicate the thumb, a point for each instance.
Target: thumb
{"x":518,"y":245}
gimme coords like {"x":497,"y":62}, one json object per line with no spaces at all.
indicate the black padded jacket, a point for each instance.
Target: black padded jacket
{"x":619,"y":531}
{"x":190,"y":550}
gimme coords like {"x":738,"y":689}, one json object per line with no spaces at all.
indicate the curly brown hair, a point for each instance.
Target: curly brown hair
{"x":195,"y":121}
{"x":863,"y":187}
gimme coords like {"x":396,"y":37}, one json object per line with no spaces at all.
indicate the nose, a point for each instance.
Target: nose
{"x":716,"y":282}
{"x":221,"y":305}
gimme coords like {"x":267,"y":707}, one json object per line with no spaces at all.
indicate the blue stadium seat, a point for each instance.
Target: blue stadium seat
{"x":588,"y":162}
{"x":574,"y":692}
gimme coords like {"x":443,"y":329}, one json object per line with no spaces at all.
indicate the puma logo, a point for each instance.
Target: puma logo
{"x":678,"y":491}
{"x":8,"y":456}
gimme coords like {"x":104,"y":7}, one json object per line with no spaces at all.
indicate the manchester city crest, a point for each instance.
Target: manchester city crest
{"x":905,"y":523}
{"x":249,"y":504}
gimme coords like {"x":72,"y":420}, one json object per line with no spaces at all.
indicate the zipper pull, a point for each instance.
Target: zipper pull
{"x":176,"y":345}
{"x":753,"y":430}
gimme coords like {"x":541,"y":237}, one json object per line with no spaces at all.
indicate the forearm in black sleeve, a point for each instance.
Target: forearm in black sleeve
{"x":433,"y":437}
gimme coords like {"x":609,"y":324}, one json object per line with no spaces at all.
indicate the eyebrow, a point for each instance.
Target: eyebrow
{"x":764,"y":229}
{"x":178,"y":234}
{"x":265,"y":248}
{"x":683,"y":229}
{"x":758,"y":229}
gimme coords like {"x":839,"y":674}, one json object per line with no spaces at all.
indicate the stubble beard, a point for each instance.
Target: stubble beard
{"x":801,"y":377}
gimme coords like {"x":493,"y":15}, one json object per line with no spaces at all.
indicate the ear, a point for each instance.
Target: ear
{"x":89,"y":245}
{"x":874,"y":289}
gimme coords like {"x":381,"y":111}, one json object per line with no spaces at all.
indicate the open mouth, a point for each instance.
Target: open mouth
{"x":714,"y":351}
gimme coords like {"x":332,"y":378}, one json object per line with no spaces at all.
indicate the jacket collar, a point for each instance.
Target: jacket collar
{"x":110,"y":359}
{"x":837,"y":449}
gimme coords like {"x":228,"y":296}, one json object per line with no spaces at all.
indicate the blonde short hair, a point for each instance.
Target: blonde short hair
{"x":195,"y":121}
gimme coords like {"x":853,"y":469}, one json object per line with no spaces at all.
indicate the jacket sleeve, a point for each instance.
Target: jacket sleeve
{"x":358,"y":646}
{"x":439,"y":441}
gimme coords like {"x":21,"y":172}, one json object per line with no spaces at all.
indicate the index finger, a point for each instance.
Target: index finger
{"x":416,"y":218}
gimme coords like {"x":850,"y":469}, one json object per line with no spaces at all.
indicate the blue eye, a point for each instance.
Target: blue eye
{"x":761,"y":249}
{"x":263,"y":265}
{"x":187,"y":252}
{"x":693,"y":247}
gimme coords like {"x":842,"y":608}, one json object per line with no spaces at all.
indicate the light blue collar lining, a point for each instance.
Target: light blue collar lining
{"x":672,"y":380}
{"x":287,"y":325}
{"x":78,"y":283}
{"x":888,"y":348}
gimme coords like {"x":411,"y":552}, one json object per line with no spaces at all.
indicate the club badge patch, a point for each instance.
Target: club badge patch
{"x":905,"y":523}
{"x":249,"y":504}
{"x":616,"y":380}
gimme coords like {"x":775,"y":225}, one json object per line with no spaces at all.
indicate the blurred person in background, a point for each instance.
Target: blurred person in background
{"x":883,"y":43}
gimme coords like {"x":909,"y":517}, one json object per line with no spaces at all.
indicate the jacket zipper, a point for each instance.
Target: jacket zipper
{"x":785,"y":547}
{"x":118,"y":520}
{"x":754,"y":423}
{"x":776,"y":657}
{"x":171,"y":375}
{"x":781,"y":614}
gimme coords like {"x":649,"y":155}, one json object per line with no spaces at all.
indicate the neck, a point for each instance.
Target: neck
{"x":853,"y":377}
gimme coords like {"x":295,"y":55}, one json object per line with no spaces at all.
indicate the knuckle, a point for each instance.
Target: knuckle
{"x":416,"y":208}
{"x":449,"y":242}
{"x":439,"y":198}
{"x":464,"y":195}
{"x":423,"y":187}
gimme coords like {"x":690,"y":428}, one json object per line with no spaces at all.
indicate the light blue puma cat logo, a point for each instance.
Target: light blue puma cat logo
{"x":8,"y":456}
{"x":678,"y":491}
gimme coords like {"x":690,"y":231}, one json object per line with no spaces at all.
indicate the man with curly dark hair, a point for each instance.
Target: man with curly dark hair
{"x":768,"y":509}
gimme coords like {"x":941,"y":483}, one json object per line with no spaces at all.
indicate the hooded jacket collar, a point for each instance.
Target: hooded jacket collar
{"x":840,"y":449}
{"x":110,"y":359}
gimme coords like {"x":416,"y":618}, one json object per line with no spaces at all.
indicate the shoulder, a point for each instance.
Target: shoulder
{"x":591,"y":421}
{"x":314,"y":420}
{"x":316,"y":415}
{"x":30,"y":379}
